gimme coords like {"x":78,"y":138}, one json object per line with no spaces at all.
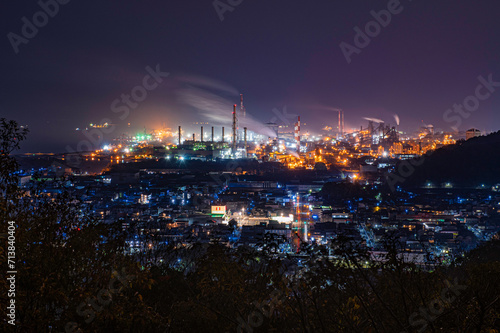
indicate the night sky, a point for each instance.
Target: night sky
{"x":277,"y":53}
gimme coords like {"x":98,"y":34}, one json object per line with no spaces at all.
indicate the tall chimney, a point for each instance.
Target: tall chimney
{"x":297,"y":132}
{"x":201,"y":134}
{"x":245,"y":131}
{"x":222,"y":134}
{"x":342,"y":122}
{"x":243,"y":111}
{"x":180,"y":135}
{"x":212,"y":134}
{"x":234,"y":129}
{"x":194,"y":137}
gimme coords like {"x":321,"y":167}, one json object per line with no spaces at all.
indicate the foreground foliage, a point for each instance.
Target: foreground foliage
{"x":74,"y":277}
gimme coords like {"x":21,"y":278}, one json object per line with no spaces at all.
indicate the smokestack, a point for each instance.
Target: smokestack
{"x":342,"y":130}
{"x":245,"y":129}
{"x":180,"y":135}
{"x":340,"y":122}
{"x":234,"y":129}
{"x":297,"y":131}
{"x":201,"y":134}
{"x":222,"y":134}
{"x":212,"y":134}
{"x":194,"y":137}
{"x":243,"y":111}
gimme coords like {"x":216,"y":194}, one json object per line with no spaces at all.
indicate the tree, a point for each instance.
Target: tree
{"x":65,"y":260}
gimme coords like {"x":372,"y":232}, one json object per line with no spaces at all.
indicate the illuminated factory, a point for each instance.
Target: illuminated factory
{"x":349,"y":151}
{"x":212,"y":148}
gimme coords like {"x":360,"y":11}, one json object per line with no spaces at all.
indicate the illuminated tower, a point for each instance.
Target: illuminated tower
{"x":243,"y":111}
{"x":297,"y":132}
{"x":245,"y":136}
{"x":234,"y":129}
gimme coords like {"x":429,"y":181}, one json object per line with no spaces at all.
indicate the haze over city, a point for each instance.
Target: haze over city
{"x":280,"y":54}
{"x":250,"y":166}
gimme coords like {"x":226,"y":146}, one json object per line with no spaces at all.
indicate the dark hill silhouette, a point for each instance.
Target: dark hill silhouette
{"x":468,"y":163}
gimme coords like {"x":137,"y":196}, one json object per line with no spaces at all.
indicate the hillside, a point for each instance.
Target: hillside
{"x":465,"y":164}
